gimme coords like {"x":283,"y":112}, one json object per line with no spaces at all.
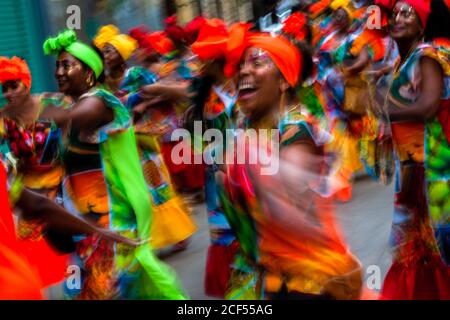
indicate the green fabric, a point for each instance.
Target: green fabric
{"x":67,"y":41}
{"x":131,"y":208}
{"x":131,"y":211}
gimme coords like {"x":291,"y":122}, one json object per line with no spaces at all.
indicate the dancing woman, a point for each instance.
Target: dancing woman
{"x":418,"y":104}
{"x":105,"y":179}
{"x":289,"y":243}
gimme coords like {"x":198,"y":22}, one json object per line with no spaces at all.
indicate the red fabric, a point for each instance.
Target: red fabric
{"x":174,"y":31}
{"x":140,"y":34}
{"x":192,"y":29}
{"x":296,"y":26}
{"x":218,"y":269}
{"x":166,"y":151}
{"x":193,"y":177}
{"x":212,"y":40}
{"x":18,"y":281}
{"x":427,"y":281}
{"x":422,"y":8}
{"x":50,"y":265}
{"x":14,"y":69}
{"x":444,"y":118}
{"x":387,"y":4}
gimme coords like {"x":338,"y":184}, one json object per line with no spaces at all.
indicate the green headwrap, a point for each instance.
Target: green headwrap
{"x":67,"y":41}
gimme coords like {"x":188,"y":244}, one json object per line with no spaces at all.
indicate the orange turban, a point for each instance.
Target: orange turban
{"x":283,"y":53}
{"x":14,"y":69}
{"x":212,"y":40}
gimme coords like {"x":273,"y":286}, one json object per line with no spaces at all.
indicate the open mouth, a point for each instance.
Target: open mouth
{"x":246,"y":90}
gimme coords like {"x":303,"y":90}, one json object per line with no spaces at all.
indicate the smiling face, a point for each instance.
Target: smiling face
{"x":112,"y":57}
{"x":73,"y":77}
{"x":260,"y":83}
{"x":15,"y":92}
{"x":404,"y":22}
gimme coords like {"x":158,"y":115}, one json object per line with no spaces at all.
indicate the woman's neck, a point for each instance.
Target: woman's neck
{"x":267,"y":120}
{"x":406,"y":46}
{"x":26,"y":113}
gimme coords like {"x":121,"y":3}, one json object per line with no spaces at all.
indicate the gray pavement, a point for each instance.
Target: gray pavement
{"x":365,"y":222}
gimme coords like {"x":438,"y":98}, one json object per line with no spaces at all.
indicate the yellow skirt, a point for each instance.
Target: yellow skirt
{"x":171,"y":224}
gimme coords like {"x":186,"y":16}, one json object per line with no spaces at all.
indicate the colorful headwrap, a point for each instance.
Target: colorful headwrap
{"x":174,"y":31}
{"x":343,"y":4}
{"x":67,"y":41}
{"x":212,"y":40}
{"x":192,"y":29}
{"x":283,"y":53}
{"x":422,"y":8}
{"x":14,"y":69}
{"x":123,"y":43}
{"x":161,"y":42}
{"x":296,"y":26}
{"x":140,"y":34}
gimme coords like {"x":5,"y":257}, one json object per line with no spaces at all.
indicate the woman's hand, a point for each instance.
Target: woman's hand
{"x":110,"y":235}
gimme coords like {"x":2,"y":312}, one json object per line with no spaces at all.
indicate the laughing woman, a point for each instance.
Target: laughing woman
{"x":419,"y":114}
{"x":105,"y":179}
{"x":289,"y":245}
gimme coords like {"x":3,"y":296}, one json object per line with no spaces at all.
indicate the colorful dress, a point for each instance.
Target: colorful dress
{"x":280,"y":257}
{"x":37,"y":149}
{"x":333,"y":53}
{"x":218,"y":114}
{"x":107,"y":184}
{"x":422,"y":188}
{"x":172,"y":223}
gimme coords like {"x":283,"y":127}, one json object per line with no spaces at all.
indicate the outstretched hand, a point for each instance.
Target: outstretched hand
{"x":113,"y":236}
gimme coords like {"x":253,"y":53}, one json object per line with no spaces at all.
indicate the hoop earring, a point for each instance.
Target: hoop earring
{"x":90,"y":81}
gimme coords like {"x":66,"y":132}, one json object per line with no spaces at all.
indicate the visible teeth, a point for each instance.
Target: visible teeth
{"x":245,"y":85}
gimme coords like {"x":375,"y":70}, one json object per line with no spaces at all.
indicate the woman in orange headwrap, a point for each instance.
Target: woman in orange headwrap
{"x":34,"y":142}
{"x":289,"y":244}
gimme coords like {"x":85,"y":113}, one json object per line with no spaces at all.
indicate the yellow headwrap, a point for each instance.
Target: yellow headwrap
{"x":345,"y":5}
{"x":123,"y":43}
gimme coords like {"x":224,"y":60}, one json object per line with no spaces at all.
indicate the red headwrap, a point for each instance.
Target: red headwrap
{"x":174,"y":31}
{"x":422,"y":8}
{"x":296,"y":26}
{"x":212,"y":40}
{"x":160,"y":42}
{"x":140,"y":34}
{"x":192,"y":29}
{"x":14,"y":69}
